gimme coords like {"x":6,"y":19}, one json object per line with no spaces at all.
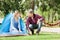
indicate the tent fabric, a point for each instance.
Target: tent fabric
{"x":5,"y":27}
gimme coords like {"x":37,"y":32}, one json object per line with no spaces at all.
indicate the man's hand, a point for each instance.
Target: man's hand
{"x":29,"y":32}
{"x":38,"y":21}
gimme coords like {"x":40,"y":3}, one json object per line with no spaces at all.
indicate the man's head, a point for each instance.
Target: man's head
{"x":30,"y":13}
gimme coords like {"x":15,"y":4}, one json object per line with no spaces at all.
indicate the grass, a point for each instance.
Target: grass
{"x":42,"y":36}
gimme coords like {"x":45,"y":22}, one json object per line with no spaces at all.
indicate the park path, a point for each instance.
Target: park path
{"x":49,"y":29}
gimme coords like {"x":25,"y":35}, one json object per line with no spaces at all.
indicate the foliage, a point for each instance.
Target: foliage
{"x":47,"y":8}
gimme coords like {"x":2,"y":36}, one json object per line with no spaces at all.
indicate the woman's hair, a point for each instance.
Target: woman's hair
{"x":17,"y":12}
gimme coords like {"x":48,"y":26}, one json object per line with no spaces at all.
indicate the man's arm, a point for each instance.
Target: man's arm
{"x":27,"y":25}
{"x":40,"y":18}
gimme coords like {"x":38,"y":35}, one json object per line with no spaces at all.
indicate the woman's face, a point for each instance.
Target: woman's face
{"x":17,"y":14}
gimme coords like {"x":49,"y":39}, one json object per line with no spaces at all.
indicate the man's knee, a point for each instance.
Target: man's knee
{"x":30,"y":26}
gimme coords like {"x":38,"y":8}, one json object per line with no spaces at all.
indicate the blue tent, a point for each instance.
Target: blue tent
{"x":6,"y":26}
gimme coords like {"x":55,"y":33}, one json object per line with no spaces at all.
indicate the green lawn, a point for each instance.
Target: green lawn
{"x":42,"y":36}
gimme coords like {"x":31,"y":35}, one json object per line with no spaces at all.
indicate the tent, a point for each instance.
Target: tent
{"x":4,"y":30}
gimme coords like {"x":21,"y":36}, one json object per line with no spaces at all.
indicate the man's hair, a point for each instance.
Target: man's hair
{"x":30,"y":11}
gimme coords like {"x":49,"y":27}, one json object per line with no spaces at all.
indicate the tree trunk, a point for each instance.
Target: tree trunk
{"x":32,"y":4}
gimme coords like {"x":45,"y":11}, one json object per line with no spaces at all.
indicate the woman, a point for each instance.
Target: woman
{"x":13,"y":25}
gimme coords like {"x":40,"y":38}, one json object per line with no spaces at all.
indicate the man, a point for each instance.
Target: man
{"x":34,"y":21}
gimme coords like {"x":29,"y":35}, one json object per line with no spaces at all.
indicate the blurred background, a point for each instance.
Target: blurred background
{"x":49,"y":9}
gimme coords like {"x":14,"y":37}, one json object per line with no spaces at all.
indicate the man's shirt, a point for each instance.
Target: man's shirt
{"x":34,"y":20}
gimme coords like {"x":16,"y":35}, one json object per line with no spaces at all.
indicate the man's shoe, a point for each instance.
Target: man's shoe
{"x":37,"y":33}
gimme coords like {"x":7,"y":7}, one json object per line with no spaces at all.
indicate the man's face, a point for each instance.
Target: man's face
{"x":30,"y":14}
